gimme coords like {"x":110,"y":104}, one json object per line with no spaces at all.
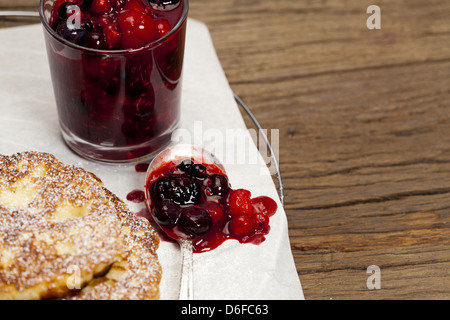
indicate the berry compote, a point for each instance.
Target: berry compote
{"x":195,"y":201}
{"x":116,"y":69}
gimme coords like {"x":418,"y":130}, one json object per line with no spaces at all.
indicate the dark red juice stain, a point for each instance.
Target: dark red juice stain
{"x":136,"y":196}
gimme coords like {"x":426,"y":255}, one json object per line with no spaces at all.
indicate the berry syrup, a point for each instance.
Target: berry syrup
{"x":116,"y":68}
{"x":195,"y":201}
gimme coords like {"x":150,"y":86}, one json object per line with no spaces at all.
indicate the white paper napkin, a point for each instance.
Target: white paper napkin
{"x":28,"y":121}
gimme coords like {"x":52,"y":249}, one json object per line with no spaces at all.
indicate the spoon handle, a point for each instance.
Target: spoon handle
{"x":186,"y":284}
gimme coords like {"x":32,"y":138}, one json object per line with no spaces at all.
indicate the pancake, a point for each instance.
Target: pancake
{"x":61,"y":231}
{"x":137,"y":275}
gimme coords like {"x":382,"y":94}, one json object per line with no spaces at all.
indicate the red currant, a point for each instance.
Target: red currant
{"x":241,"y":225}
{"x":261,"y":221}
{"x":264,"y":205}
{"x":240,"y":202}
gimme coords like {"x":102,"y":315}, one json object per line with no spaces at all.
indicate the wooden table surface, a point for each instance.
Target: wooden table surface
{"x":364,"y":123}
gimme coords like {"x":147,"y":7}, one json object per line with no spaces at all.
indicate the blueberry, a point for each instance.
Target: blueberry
{"x":194,"y":220}
{"x":72,"y":34}
{"x":198,"y":171}
{"x":166,"y":212}
{"x":180,"y":189}
{"x":185,"y":165}
{"x":88,"y":26}
{"x":164,"y":5}
{"x":159,"y":188}
{"x":216,"y":185}
{"x":183,"y":191}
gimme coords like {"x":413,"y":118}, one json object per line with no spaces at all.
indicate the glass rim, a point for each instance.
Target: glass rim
{"x":150,"y":45}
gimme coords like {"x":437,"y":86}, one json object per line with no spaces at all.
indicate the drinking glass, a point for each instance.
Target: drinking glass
{"x":117,"y":106}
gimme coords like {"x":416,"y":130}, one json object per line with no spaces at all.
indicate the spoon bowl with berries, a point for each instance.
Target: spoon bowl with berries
{"x":188,"y":194}
{"x":172,"y":188}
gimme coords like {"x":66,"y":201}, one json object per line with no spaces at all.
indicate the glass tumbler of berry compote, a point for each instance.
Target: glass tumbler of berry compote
{"x":116,"y":68}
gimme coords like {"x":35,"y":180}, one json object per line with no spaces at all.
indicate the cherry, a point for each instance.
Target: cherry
{"x":137,"y":28}
{"x":264,"y":205}
{"x":100,"y":7}
{"x":240,"y":202}
{"x":164,"y":4}
{"x":95,"y":40}
{"x":166,"y":212}
{"x":163,"y":28}
{"x":214,"y":210}
{"x":216,"y":185}
{"x":134,"y":5}
{"x":195,"y":220}
{"x":103,"y":20}
{"x":241,"y":225}
{"x":113,"y":35}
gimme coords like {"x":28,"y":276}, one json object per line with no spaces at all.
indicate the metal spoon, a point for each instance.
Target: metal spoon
{"x":176,"y":153}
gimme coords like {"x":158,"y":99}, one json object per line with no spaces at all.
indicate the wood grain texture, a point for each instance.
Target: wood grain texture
{"x":364,"y":120}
